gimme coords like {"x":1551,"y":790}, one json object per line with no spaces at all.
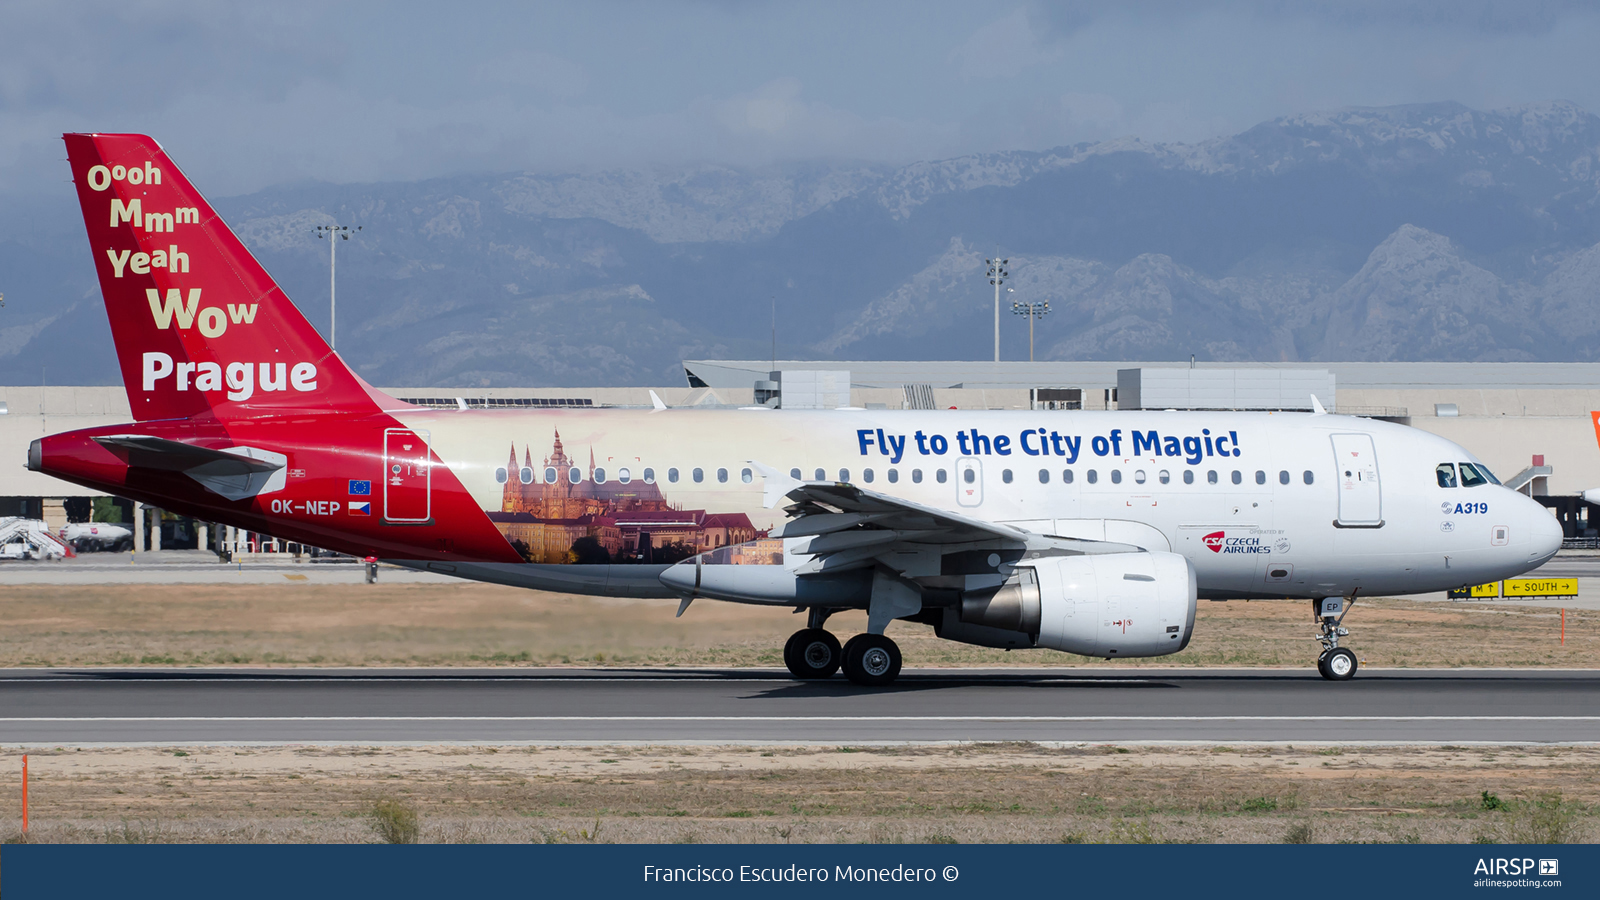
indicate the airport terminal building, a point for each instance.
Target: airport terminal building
{"x":1533,"y":423}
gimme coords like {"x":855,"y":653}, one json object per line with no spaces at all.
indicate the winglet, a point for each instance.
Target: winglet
{"x":1316,"y":407}
{"x":655,"y":400}
{"x":778,"y":484}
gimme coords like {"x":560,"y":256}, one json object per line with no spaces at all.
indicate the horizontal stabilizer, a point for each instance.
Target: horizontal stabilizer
{"x":236,"y":473}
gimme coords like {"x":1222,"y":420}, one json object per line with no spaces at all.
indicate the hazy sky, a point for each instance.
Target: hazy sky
{"x":355,"y":91}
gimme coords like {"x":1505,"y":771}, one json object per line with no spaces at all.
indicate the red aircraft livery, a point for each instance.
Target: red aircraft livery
{"x":232,"y":387}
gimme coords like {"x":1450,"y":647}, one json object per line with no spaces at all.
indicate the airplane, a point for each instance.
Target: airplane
{"x":1089,"y":532}
{"x":88,"y":536}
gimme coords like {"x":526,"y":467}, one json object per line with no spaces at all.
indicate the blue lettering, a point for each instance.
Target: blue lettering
{"x":1146,"y":440}
{"x":1170,"y":445}
{"x":864,"y":437}
{"x":1192,"y":451}
{"x":940,"y":445}
{"x":1101,"y":445}
{"x":1073,"y":443}
{"x":897,"y":443}
{"x":980,"y":440}
{"x":1026,"y":447}
{"x":1116,"y":441}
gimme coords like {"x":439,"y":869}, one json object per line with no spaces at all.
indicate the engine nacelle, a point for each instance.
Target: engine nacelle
{"x":1112,"y":605}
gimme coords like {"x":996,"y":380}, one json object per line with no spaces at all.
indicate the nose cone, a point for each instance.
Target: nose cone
{"x":1545,"y":533}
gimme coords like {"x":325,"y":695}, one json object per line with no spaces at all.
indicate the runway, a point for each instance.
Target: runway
{"x":601,"y":706}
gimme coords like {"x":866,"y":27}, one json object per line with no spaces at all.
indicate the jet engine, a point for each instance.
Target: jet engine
{"x":1110,"y":605}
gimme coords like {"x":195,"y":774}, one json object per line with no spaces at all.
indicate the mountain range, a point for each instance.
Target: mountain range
{"x":1422,"y":232}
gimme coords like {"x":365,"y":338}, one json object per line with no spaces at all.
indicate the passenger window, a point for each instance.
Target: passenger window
{"x":1211,"y":476}
{"x":1308,"y":477}
{"x":550,"y":475}
{"x":844,"y":475}
{"x":1005,"y":475}
{"x":1093,"y":476}
{"x":574,"y":474}
{"x":500,"y":476}
{"x":1138,"y":477}
{"x":650,"y":476}
{"x":672,"y":475}
{"x":969,"y":476}
{"x":795,"y":474}
{"x":1283,"y":476}
{"x":894,"y":476}
{"x":1044,"y":476}
{"x":698,"y":475}
{"x":1261,"y":477}
{"x":624,"y":476}
{"x":916,"y":476}
{"x":1116,"y":476}
{"x":1238,"y":477}
{"x":939,"y":475}
{"x":1066,"y":476}
{"x":1165,"y":476}
{"x":722,"y":476}
{"x":1188,"y":476}
{"x":1471,"y":476}
{"x":746,"y":476}
{"x":599,"y":476}
{"x":820,"y":476}
{"x":1446,"y":474}
{"x":525,"y":475}
{"x":867,"y":476}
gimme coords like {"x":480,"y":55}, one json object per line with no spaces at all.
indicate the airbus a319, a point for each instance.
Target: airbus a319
{"x":1092,"y":533}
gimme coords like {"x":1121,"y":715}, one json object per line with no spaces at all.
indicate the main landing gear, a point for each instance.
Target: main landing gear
{"x":813,"y":653}
{"x":1336,"y":663}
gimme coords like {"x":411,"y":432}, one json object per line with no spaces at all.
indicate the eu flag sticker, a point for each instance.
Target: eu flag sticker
{"x":363,"y":508}
{"x":361,"y":489}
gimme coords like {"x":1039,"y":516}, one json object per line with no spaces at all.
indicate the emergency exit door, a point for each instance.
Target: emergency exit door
{"x":407,"y":476}
{"x":1360,"y":495}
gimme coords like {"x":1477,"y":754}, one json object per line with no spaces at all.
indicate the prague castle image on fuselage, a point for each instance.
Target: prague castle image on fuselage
{"x":559,"y":512}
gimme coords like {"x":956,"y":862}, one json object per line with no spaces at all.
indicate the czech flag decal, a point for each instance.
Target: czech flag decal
{"x":364,"y":508}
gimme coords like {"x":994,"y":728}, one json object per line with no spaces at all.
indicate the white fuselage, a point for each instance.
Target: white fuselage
{"x":1259,"y":502}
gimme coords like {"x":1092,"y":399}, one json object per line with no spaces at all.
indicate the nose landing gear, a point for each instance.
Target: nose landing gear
{"x":1336,"y":663}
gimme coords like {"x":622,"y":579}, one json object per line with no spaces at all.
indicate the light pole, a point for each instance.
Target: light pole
{"x":1032,"y":311}
{"x":334,"y":233}
{"x":997,"y":277}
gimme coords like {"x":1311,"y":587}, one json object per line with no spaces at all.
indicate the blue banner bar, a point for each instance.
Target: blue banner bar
{"x":1190,"y":872}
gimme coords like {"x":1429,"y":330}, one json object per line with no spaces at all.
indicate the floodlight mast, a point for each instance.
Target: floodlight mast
{"x":997,"y":276}
{"x":334,"y":233}
{"x":1032,"y":311}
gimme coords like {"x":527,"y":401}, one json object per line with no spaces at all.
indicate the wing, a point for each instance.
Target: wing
{"x":850,"y":527}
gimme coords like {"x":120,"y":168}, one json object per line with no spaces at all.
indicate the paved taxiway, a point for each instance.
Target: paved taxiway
{"x":741,"y":705}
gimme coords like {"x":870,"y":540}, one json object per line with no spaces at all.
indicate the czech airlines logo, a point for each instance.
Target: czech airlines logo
{"x":1214,"y":541}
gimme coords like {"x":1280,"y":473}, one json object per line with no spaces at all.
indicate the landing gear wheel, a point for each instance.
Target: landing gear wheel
{"x":871,"y":660}
{"x":1338,"y":664}
{"x":812,"y":653}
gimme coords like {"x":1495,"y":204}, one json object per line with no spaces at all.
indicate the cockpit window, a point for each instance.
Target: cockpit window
{"x":1473,"y":475}
{"x":1446,"y":473}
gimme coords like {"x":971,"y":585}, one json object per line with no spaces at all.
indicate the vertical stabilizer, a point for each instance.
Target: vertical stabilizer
{"x":199,"y":325}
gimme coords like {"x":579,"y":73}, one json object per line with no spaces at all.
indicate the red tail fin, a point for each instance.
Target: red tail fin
{"x":200,"y":326}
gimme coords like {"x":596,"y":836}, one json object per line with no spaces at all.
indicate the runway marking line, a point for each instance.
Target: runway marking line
{"x":26,"y":719}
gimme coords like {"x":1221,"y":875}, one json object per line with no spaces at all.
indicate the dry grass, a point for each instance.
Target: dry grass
{"x":477,"y":624}
{"x":977,"y":793}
